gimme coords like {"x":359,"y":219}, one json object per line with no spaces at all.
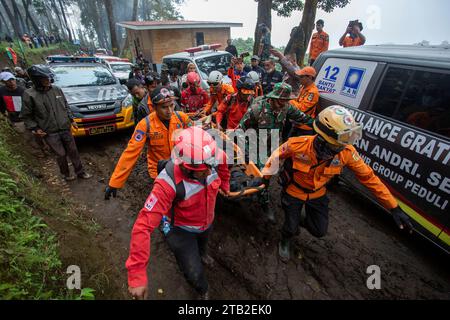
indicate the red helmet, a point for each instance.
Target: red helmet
{"x":193,"y":78}
{"x":194,"y":149}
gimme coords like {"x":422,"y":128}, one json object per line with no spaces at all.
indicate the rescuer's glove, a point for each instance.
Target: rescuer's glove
{"x":402,"y":219}
{"x":110,"y":191}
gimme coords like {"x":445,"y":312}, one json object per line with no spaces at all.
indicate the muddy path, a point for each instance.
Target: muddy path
{"x":245,"y":246}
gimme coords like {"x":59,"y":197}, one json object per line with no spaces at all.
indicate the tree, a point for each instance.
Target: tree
{"x":112,"y":25}
{"x":135,"y":10}
{"x":28,"y":17}
{"x":63,"y":11}
{"x":11,"y":18}
{"x":264,"y":17}
{"x":301,"y":35}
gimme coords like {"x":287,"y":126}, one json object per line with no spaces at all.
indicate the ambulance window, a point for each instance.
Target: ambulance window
{"x":426,"y":104}
{"x":391,"y":91}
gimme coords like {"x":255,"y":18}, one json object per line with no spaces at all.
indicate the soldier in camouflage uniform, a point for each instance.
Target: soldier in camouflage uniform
{"x":271,"y":112}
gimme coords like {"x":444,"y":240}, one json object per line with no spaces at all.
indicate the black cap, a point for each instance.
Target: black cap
{"x":161,"y":95}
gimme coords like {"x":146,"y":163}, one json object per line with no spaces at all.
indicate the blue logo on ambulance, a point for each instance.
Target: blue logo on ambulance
{"x":353,"y":82}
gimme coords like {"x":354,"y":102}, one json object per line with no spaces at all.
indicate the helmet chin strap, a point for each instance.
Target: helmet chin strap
{"x":323,"y":151}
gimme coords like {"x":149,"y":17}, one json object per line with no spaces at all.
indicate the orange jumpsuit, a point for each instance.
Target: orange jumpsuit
{"x":319,"y":43}
{"x":160,"y":145}
{"x":307,"y":103}
{"x":312,"y":176}
{"x":218,"y":97}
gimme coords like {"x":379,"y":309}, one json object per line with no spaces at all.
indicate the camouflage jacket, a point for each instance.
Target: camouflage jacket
{"x":260,"y":116}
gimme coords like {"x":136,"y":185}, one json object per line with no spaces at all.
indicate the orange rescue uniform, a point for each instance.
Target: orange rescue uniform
{"x":235,"y":110}
{"x":218,"y":97}
{"x":319,"y":43}
{"x":312,"y":176}
{"x":352,"y":42}
{"x":160,"y":145}
{"x":307,"y":103}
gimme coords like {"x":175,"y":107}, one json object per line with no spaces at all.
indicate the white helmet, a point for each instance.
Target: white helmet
{"x":254,"y":76}
{"x":215,"y":77}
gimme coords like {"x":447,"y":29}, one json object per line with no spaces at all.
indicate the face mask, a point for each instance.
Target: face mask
{"x":323,"y":149}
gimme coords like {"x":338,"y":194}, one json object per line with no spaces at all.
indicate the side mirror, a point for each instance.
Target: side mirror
{"x":123,"y":81}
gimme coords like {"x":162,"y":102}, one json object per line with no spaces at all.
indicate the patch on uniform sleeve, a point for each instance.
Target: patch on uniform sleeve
{"x":139,"y":135}
{"x":311,"y":97}
{"x":356,"y":156}
{"x":151,"y":202}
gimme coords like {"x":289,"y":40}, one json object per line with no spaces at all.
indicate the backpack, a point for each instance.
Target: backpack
{"x":180,"y":191}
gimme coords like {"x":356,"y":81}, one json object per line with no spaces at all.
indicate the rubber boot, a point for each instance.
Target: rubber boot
{"x":204,"y":296}
{"x":284,"y":249}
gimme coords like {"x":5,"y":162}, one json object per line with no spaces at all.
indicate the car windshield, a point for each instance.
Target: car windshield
{"x":208,"y":64}
{"x":82,"y":76}
{"x":121,"y":67}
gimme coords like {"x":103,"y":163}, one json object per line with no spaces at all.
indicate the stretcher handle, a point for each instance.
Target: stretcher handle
{"x":246,"y":192}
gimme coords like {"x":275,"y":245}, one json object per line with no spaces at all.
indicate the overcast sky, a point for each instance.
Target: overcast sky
{"x":385,"y":21}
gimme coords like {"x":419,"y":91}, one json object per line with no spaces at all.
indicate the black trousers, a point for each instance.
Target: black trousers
{"x":316,"y":221}
{"x":63,"y":144}
{"x":188,"y":248}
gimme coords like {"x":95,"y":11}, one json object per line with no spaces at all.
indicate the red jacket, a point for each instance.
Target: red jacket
{"x":191,"y":102}
{"x":196,"y":211}
{"x":232,"y":108}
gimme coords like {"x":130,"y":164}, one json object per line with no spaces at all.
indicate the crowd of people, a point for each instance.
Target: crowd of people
{"x":188,"y":169}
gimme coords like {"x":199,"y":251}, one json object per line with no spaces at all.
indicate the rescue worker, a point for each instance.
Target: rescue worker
{"x":189,"y":68}
{"x":270,"y":76}
{"x":187,"y":222}
{"x":257,"y":80}
{"x":218,"y":91}
{"x":308,"y":100}
{"x":156,"y":130}
{"x":355,"y":37}
{"x":236,"y":105}
{"x":236,"y":70}
{"x":194,"y":98}
{"x":312,"y":162}
{"x":138,"y":92}
{"x":47,"y":114}
{"x":319,"y":43}
{"x":270,"y":112}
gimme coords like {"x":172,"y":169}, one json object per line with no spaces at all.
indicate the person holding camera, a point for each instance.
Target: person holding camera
{"x":355,"y":37}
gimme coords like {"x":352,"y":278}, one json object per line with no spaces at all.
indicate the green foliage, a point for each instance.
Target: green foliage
{"x":30,"y":266}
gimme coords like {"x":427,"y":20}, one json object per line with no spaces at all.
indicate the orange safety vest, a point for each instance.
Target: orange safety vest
{"x":218,"y":97}
{"x":307,"y":103}
{"x":160,"y":144}
{"x":311,"y":177}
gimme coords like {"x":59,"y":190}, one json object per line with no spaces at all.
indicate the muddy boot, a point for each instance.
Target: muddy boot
{"x":204,"y":296}
{"x":284,"y":249}
{"x":207,"y":260}
{"x":70,"y":178}
{"x":85,"y":175}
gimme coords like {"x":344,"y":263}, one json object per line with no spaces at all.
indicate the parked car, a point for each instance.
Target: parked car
{"x":98,"y":101}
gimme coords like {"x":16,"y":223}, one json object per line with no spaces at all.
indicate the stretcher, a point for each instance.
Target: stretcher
{"x":251,"y":183}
